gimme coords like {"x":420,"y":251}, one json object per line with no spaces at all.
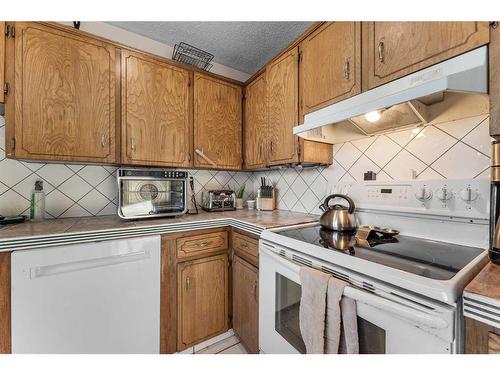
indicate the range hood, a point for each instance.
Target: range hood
{"x":401,"y":103}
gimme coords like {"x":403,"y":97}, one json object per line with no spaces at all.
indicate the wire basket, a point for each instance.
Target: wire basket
{"x":188,"y":54}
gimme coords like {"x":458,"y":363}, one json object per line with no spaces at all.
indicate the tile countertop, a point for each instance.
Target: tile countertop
{"x":86,"y":229}
{"x":481,"y":298}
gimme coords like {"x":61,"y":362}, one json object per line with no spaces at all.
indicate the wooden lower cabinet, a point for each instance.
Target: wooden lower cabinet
{"x":202,"y":300}
{"x":481,"y":338}
{"x":246,"y":303}
{"x":194,"y":290}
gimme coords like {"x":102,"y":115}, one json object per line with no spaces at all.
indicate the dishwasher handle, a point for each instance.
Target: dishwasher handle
{"x":80,"y":265}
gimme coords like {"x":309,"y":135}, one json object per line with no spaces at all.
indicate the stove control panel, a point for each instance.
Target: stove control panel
{"x":461,"y":198}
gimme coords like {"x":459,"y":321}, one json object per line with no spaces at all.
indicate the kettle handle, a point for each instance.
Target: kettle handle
{"x":351,"y":207}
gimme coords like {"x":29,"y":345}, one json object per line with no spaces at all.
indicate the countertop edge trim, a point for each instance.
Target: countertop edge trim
{"x":41,"y":241}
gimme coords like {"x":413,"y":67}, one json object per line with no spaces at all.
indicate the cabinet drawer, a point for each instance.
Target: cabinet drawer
{"x":246,"y":247}
{"x":202,"y":244}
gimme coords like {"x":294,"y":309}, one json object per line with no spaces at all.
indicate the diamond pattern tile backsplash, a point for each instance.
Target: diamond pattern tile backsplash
{"x":456,"y":149}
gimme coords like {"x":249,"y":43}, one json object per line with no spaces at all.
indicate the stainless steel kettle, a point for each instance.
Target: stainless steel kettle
{"x":338,"y":217}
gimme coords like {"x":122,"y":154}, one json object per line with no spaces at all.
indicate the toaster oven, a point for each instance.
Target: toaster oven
{"x":145,"y":193}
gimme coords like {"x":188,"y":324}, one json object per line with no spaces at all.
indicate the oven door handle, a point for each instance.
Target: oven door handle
{"x":378,"y":302}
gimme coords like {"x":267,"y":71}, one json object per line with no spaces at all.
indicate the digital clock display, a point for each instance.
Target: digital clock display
{"x":386,"y":191}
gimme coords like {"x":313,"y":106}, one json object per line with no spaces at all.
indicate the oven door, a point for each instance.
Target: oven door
{"x":384,"y":326}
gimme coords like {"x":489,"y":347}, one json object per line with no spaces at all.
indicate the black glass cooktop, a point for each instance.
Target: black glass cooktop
{"x":428,"y":258}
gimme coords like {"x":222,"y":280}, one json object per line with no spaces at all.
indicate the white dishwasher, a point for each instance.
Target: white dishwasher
{"x":101,"y":297}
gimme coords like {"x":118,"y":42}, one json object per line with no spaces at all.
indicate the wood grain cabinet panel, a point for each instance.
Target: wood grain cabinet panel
{"x":255,"y":124}
{"x":282,"y":108}
{"x":330,"y":65}
{"x":65,"y":93}
{"x":217,"y":123}
{"x":481,"y":338}
{"x":493,"y":343}
{"x":246,"y":247}
{"x":202,"y":244}
{"x":246,"y":303}
{"x":202,"y":300}
{"x":2,"y":59}
{"x":395,"y":49}
{"x":156,"y":112}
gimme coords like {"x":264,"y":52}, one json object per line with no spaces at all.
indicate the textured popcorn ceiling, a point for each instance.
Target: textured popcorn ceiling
{"x":245,"y":46}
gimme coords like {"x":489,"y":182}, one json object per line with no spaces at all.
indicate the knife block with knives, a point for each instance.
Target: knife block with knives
{"x":266,"y":196}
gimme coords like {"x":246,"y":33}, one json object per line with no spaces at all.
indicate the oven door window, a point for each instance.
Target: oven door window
{"x":286,"y":320}
{"x":372,"y":339}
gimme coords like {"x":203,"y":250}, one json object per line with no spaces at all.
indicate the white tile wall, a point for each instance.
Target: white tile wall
{"x":456,"y":149}
{"x":75,"y":190}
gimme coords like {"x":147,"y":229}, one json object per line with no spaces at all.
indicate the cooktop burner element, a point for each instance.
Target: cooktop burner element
{"x":428,"y":258}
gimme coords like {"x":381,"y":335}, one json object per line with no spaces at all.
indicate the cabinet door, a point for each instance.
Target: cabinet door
{"x":395,"y":49}
{"x":246,"y":304}
{"x":282,"y":108}
{"x":255,"y":124}
{"x":156,"y":112}
{"x":65,"y":93}
{"x":2,"y":59}
{"x":330,"y":65}
{"x":202,"y":300}
{"x":217,"y":123}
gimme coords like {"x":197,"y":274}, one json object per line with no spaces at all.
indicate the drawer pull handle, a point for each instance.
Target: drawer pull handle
{"x":203,"y":244}
{"x":255,"y":291}
{"x":188,"y":282}
{"x":381,"y":52}
{"x":347,"y":69}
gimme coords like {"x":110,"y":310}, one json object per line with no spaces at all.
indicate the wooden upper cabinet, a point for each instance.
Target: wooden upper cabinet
{"x":65,"y":96}
{"x":255,"y":124}
{"x":330,"y":65}
{"x":156,"y":112}
{"x":217,"y":123}
{"x":395,"y":49}
{"x":282,"y":108}
{"x":202,"y":300}
{"x":2,"y":59}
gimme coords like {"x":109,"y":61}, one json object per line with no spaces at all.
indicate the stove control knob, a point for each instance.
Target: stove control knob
{"x":468,"y":195}
{"x":444,"y":194}
{"x":423,"y":194}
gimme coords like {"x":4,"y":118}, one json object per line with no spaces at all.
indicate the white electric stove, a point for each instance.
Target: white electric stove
{"x":408,"y":287}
